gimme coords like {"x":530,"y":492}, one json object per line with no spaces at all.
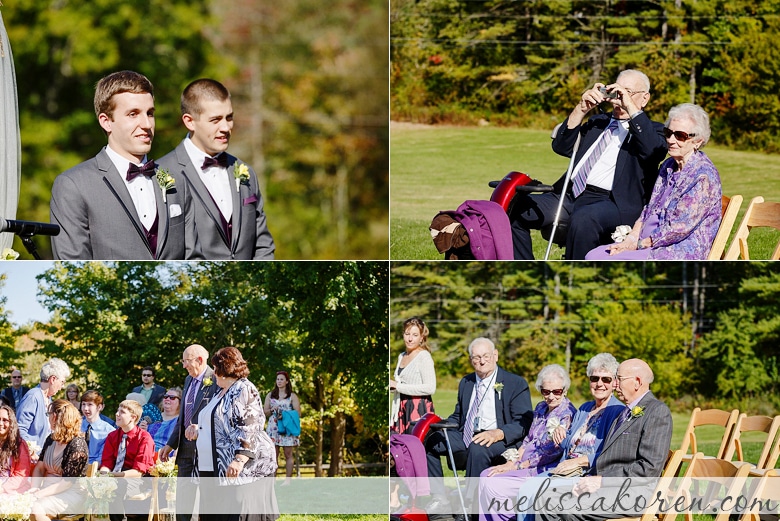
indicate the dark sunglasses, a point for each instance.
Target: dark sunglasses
{"x":171,"y":397}
{"x":679,"y":135}
{"x":606,"y":379}
{"x":556,"y":392}
{"x":147,"y":375}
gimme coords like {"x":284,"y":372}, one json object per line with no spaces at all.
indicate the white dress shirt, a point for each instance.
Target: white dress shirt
{"x":602,"y":174}
{"x":214,"y":177}
{"x":486,"y":414}
{"x":141,"y":188}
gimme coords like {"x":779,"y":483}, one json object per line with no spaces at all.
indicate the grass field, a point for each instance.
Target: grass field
{"x":437,"y":168}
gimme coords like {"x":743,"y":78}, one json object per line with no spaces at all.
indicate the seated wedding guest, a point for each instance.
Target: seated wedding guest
{"x":14,"y":454}
{"x":582,"y":446}
{"x":150,"y":413}
{"x":683,"y":215}
{"x":162,"y":430}
{"x":64,"y":455}
{"x":94,"y":425}
{"x":127,"y":453}
{"x":539,"y":451}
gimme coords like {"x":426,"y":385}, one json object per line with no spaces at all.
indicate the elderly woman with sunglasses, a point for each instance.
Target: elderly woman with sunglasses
{"x":683,"y":215}
{"x":539,"y":450}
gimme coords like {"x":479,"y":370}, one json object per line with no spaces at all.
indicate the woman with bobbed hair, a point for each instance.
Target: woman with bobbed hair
{"x":234,"y":452}
{"x":64,"y":455}
{"x":14,"y":454}
{"x":682,"y":218}
{"x":414,"y":380}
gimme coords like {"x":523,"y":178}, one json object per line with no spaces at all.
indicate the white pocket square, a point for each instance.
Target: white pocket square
{"x":175,"y":210}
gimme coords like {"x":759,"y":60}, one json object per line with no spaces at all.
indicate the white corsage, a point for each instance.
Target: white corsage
{"x":511,"y":454}
{"x":498,"y":388}
{"x":552,"y":424}
{"x":621,"y":232}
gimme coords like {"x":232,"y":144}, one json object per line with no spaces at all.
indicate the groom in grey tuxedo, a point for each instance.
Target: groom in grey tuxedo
{"x":228,"y":205}
{"x":637,"y":445}
{"x":119,"y":205}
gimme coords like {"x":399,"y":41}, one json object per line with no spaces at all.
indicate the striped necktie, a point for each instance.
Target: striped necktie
{"x":189,"y":402}
{"x":121,"y":453}
{"x":580,"y":178}
{"x":468,"y":428}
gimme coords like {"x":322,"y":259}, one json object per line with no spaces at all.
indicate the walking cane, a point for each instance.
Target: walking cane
{"x":566,"y":180}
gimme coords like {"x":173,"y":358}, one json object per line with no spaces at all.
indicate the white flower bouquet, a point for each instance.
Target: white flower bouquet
{"x":16,"y":507}
{"x":100,"y":491}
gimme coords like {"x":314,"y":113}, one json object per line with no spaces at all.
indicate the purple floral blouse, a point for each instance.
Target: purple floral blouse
{"x":538,"y":447}
{"x":685,"y":208}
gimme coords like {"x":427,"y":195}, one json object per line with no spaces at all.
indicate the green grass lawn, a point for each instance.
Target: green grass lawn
{"x":437,"y":168}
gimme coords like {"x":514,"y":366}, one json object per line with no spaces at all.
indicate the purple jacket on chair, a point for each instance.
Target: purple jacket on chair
{"x":487,"y":224}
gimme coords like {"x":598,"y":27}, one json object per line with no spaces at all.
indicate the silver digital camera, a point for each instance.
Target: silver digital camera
{"x":608,"y":95}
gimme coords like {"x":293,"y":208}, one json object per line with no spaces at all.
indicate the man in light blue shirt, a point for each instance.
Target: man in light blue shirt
{"x":93,"y":424}
{"x":32,"y":414}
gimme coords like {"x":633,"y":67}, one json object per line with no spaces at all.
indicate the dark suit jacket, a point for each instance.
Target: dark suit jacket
{"x":158,"y":391}
{"x":202,"y":398}
{"x":514,"y":413}
{"x":638,"y":160}
{"x":98,"y":220}
{"x":640,"y":446}
{"x":9,"y":395}
{"x":250,"y":238}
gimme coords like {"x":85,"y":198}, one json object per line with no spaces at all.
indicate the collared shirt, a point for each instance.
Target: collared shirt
{"x":141,"y":189}
{"x":147,"y":393}
{"x":637,"y":400}
{"x":98,"y":431}
{"x":215,"y":178}
{"x":486,"y":414}
{"x":140,"y":450}
{"x":602,"y":174}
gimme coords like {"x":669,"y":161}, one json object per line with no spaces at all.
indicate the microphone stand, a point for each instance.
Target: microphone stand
{"x":29,"y":245}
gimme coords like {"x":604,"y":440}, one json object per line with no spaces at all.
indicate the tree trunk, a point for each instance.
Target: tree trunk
{"x":338,"y":431}
{"x":320,"y":437}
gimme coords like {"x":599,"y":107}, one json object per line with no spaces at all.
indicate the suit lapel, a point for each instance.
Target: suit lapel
{"x":499,"y":402}
{"x":119,"y":190}
{"x":199,"y":189}
{"x":236,"y":197}
{"x":162,"y":213}
{"x":614,"y":433}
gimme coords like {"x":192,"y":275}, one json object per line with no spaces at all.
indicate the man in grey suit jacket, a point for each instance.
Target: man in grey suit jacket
{"x":637,"y":445}
{"x":199,"y":387}
{"x":226,"y":196}
{"x":496,"y":420}
{"x":118,"y":205}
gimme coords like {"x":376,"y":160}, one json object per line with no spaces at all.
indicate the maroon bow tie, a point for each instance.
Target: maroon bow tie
{"x":134,"y":170}
{"x":220,"y":160}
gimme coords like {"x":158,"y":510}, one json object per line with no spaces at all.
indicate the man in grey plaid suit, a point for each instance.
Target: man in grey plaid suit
{"x":637,"y":445}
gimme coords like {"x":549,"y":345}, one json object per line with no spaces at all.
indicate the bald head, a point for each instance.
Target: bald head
{"x":634,"y":379}
{"x":195,"y":359}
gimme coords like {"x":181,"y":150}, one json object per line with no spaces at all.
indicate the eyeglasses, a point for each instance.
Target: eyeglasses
{"x":185,"y":360}
{"x":484,"y":358}
{"x":620,"y":378}
{"x":555,"y":392}
{"x":679,"y":135}
{"x":16,"y":377}
{"x":171,"y":397}
{"x":632,"y":92}
{"x":606,"y":379}
{"x":145,"y":375}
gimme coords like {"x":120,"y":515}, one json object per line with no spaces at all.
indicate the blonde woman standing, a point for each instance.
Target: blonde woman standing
{"x":414,"y":379}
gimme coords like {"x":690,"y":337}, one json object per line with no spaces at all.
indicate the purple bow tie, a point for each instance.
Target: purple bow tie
{"x":134,"y":170}
{"x":220,"y":160}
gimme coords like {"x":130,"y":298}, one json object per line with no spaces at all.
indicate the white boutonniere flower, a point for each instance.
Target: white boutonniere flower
{"x":165,"y":180}
{"x":241,"y":173}
{"x":511,"y":454}
{"x":207,"y":382}
{"x":9,"y":254}
{"x":621,"y":232}
{"x":498,"y":388}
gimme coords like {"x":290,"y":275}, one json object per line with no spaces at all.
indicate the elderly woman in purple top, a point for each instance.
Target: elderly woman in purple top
{"x":684,"y":212}
{"x":539,"y":450}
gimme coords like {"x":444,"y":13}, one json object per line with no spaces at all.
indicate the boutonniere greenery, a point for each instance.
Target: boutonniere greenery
{"x":498,"y":387}
{"x":241,"y":173}
{"x":637,"y":411}
{"x":165,"y":180}
{"x":207,"y":382}
{"x":9,"y":254}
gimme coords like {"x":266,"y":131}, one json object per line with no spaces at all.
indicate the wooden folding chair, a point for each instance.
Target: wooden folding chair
{"x":703,"y":467}
{"x":771,"y":449}
{"x":715,"y":417}
{"x":759,"y":214}
{"x":91,"y":471}
{"x":729,"y":210}
{"x":765,"y":494}
{"x":673,"y":463}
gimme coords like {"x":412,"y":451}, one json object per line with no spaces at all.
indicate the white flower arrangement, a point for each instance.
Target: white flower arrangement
{"x":100,"y":490}
{"x":552,"y":424}
{"x":621,"y":232}
{"x":34,"y":449}
{"x":9,"y":254}
{"x":16,"y":507}
{"x":164,"y":468}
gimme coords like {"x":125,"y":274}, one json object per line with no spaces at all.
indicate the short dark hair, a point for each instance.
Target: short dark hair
{"x":92,"y":396}
{"x":117,"y":83}
{"x":148,"y":368}
{"x":229,"y":363}
{"x":199,"y":90}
